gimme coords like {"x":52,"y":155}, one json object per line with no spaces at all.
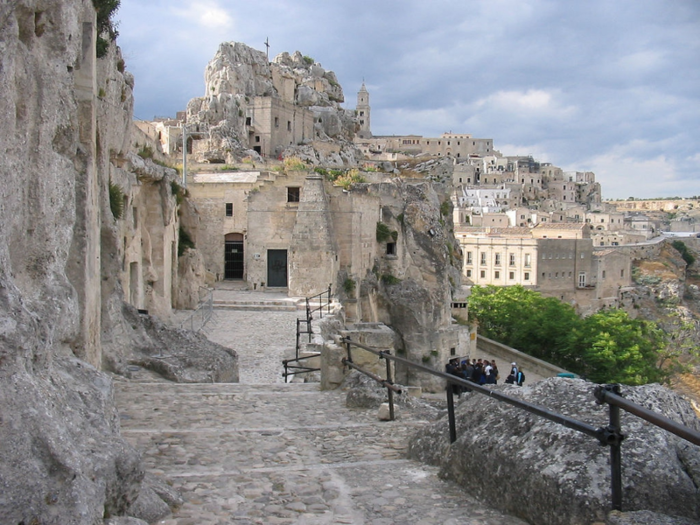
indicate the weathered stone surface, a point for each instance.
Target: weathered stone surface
{"x":645,"y":517}
{"x":124,"y":520}
{"x":384,"y":412}
{"x":549,"y":474}
{"x":148,"y":506}
{"x":363,"y":391}
{"x":63,"y":460}
{"x":178,"y":355}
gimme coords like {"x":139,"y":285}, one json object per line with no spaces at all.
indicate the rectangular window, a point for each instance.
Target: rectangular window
{"x":483,"y":259}
{"x":582,"y":279}
{"x":469,"y":258}
{"x":622,"y":273}
{"x":257,"y":138}
{"x":229,"y":209}
{"x":483,"y":274}
{"x":469,"y":273}
{"x":526,"y":277}
{"x":496,"y":274}
{"x":293,"y":194}
{"x":512,"y":260}
{"x":248,"y":121}
{"x":391,"y":248}
{"x":511,"y":275}
{"x":603,"y":274}
{"x":289,"y":125}
{"x":498,"y":259}
{"x":277,"y":122}
{"x":527,"y":260}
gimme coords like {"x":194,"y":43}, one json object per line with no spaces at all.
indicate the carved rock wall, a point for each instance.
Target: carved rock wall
{"x":548,"y":474}
{"x":63,"y":459}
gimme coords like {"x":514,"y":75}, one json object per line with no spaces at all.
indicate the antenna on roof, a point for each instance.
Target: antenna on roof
{"x":267,"y":45}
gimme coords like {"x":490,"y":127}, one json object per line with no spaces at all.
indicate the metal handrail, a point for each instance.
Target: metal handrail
{"x":205,"y":308}
{"x":309,"y":330}
{"x":610,"y":435}
{"x":321,"y":305}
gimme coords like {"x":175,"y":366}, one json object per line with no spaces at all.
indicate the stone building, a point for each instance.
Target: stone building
{"x":557,"y":260}
{"x":274,"y":124}
{"x":363,"y":113}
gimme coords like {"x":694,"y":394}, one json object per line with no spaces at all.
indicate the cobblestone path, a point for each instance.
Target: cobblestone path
{"x":265,"y":452}
{"x":286,"y":454}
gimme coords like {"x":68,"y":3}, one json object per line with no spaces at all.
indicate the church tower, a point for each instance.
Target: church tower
{"x":362,"y":111}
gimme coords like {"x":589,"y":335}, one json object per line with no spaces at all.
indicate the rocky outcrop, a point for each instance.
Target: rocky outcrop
{"x":182,"y":356}
{"x":237,"y":75}
{"x":548,"y":474}
{"x":331,"y":154}
{"x":411,"y":291}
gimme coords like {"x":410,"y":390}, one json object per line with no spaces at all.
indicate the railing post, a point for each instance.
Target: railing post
{"x":329,"y":299}
{"x":285,"y":370}
{"x":612,"y":436}
{"x":615,"y":459}
{"x":389,"y":379}
{"x":451,"y":412}
{"x":347,"y":348}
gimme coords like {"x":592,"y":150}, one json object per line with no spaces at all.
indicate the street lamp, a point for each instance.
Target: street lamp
{"x":184,"y":155}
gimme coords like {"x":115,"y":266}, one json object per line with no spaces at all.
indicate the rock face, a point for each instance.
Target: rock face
{"x":238,"y":76}
{"x":178,"y":355}
{"x":65,"y":143}
{"x":410,"y":291}
{"x":548,"y":474}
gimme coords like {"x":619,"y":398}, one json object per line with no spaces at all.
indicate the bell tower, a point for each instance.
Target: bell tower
{"x":362,"y":111}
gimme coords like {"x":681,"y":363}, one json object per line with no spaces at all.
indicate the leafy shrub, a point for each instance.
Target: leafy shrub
{"x":179,"y":192}
{"x":116,"y":200}
{"x":105,"y":9}
{"x":389,"y":279}
{"x":683,"y":250}
{"x":146,"y":152}
{"x":308,"y":60}
{"x":349,"y":286}
{"x":294,"y":164}
{"x":445,"y":208}
{"x":383,"y":232}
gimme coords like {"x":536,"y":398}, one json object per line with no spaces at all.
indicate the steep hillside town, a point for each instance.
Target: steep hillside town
{"x":515,"y":220}
{"x":280,"y":189}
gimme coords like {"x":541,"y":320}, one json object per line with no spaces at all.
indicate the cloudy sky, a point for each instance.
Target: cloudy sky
{"x":610,"y":86}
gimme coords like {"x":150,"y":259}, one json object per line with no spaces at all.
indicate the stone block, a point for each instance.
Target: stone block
{"x":384,"y":414}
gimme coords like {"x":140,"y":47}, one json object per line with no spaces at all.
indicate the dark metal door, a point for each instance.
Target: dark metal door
{"x":233,"y":260}
{"x":277,"y":268}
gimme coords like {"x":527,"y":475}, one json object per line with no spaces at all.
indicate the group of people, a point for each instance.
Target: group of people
{"x":482,"y":372}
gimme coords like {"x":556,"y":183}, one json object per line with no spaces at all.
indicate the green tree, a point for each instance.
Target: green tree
{"x":607,"y":347}
{"x":611,"y":347}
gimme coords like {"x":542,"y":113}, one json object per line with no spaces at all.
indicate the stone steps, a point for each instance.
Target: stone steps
{"x":274,"y":306}
{"x":285,"y":454}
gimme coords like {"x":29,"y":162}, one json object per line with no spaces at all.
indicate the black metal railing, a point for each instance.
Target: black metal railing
{"x":610,"y":435}
{"x":294,"y":366}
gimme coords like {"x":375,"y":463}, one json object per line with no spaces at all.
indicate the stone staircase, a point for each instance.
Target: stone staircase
{"x":286,"y":454}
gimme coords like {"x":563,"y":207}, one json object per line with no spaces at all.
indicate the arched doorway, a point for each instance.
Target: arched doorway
{"x":233,"y":256}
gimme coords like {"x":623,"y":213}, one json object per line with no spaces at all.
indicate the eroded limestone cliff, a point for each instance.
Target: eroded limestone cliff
{"x":76,"y":203}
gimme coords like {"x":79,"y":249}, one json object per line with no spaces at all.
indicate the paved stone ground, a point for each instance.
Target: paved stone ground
{"x":265,"y":452}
